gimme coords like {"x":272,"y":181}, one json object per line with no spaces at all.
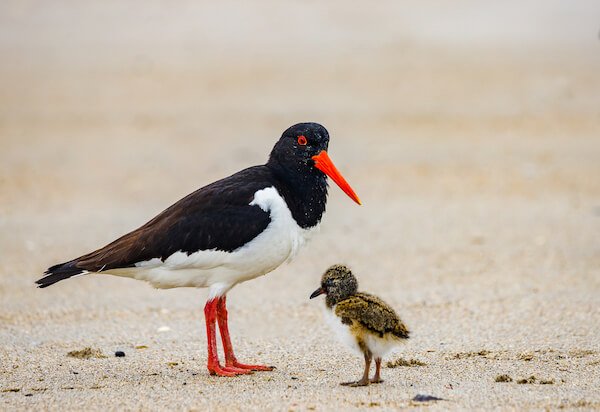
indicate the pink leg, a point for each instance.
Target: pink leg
{"x":214,"y":368}
{"x":230,"y":360}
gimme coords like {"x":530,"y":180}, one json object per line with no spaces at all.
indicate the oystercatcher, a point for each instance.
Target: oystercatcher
{"x":230,"y":231}
{"x":362,"y":321}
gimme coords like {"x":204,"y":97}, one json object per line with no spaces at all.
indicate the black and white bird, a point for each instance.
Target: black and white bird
{"x":231,"y":231}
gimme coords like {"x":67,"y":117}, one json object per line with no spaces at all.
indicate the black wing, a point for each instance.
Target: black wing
{"x":217,"y":216}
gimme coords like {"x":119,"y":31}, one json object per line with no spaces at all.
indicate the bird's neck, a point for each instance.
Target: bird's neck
{"x":333,"y":298}
{"x":304,"y":191}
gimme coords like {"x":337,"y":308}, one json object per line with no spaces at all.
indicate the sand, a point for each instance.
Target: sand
{"x":476,"y":155}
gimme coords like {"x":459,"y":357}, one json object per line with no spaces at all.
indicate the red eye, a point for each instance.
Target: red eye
{"x":302,"y":140}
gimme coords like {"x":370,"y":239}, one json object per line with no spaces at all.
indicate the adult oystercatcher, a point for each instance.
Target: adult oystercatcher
{"x":230,"y":231}
{"x":362,"y":321}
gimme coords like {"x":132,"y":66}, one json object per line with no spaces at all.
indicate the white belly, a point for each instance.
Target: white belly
{"x":220,"y":270}
{"x":379,"y":346}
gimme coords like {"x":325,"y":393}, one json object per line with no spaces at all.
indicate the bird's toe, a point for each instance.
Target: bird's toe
{"x":237,"y":371}
{"x":257,"y":368}
{"x":355,"y":384}
{"x":218,"y":370}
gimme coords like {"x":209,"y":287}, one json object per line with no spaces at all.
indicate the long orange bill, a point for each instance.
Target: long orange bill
{"x":325,"y":165}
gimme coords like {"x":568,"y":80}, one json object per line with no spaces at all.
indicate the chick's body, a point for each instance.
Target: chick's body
{"x":362,"y":321}
{"x":366,"y":323}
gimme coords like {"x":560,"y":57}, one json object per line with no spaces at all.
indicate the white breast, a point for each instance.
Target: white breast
{"x":219,"y":270}
{"x":341,"y":330}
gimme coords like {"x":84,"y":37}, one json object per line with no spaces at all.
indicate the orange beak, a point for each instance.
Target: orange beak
{"x":325,"y":165}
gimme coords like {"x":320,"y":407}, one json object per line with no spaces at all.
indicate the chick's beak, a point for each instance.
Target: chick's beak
{"x":325,"y":165}
{"x":317,"y":292}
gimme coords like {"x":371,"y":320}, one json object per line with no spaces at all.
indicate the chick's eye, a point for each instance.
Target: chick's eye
{"x":302,"y":140}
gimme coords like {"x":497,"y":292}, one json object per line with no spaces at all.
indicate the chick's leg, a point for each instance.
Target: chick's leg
{"x":364,"y":381}
{"x":377,"y":377}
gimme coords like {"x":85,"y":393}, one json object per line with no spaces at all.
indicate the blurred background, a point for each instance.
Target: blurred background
{"x":470,"y":130}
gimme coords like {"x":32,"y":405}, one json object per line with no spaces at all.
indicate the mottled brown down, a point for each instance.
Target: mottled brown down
{"x":341,"y":289}
{"x":366,"y":315}
{"x":371,"y":312}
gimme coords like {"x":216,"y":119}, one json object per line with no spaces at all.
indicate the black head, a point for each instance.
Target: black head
{"x":338,"y":283}
{"x":298,"y":144}
{"x":300,"y":155}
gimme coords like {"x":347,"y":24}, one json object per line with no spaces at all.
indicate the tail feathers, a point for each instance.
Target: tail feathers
{"x":59,"y":272}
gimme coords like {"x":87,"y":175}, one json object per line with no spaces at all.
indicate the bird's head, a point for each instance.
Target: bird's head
{"x":302,"y":151}
{"x":338,"y":283}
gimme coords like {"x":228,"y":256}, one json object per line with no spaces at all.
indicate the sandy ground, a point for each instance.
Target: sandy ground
{"x":477,"y":157}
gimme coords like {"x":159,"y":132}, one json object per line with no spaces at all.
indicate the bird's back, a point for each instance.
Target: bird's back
{"x":373,"y":314}
{"x":216,"y":217}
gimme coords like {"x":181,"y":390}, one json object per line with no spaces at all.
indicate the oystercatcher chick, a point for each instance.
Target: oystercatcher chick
{"x":365,"y":323}
{"x":228,"y":232}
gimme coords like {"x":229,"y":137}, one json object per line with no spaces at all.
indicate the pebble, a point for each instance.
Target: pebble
{"x":426,"y":398}
{"x":119,"y":354}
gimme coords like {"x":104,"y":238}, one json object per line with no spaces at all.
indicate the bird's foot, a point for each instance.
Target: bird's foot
{"x":248,"y":368}
{"x":362,"y":382}
{"x":237,"y":371}
{"x":376,"y":380}
{"x":228,"y":371}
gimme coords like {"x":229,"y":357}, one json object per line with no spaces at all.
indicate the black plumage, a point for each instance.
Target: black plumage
{"x":219,"y":216}
{"x":222,"y":226}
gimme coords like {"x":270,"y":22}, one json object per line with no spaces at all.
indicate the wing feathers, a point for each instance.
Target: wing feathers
{"x":215,"y":217}
{"x":373,"y":313}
